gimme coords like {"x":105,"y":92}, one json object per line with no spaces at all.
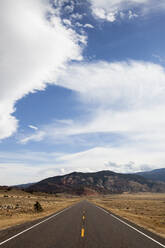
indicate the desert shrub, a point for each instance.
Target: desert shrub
{"x":17,"y":206}
{"x":31,"y":191}
{"x":5,"y":196}
{"x":38,"y":207}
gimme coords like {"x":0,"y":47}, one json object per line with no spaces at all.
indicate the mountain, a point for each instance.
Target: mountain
{"x":104,"y":182}
{"x":24,"y":186}
{"x":5,"y":188}
{"x":155,"y":175}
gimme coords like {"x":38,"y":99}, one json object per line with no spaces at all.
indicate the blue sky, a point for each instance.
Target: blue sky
{"x":82,"y":87}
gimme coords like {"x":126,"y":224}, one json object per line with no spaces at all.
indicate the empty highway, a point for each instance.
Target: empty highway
{"x":82,"y":225}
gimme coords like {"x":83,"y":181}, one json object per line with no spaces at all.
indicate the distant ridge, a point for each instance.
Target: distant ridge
{"x":155,"y":175}
{"x":102,"y":182}
{"x":23,"y":186}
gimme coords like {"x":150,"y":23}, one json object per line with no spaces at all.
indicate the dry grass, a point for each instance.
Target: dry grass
{"x":146,"y":210}
{"x":16,"y":206}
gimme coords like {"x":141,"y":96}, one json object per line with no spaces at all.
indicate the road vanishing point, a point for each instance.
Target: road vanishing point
{"x":83,"y":225}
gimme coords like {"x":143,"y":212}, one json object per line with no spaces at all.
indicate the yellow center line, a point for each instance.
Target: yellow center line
{"x":82,"y":232}
{"x":82,"y":228}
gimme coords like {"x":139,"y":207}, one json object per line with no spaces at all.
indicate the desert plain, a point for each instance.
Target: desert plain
{"x":144,"y":209}
{"x":17,"y":206}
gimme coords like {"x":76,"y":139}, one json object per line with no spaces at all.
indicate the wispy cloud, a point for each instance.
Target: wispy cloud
{"x":125,"y":99}
{"x":33,"y":127}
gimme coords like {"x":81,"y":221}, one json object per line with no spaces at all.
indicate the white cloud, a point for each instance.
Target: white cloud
{"x":100,"y":158}
{"x":33,"y":127}
{"x":87,"y":25}
{"x":37,"y":137}
{"x":132,"y":15}
{"x":69,"y":8}
{"x":126,"y":159}
{"x":67,"y":22}
{"x":130,"y":99}
{"x":32,"y":49}
{"x":113,"y":4}
{"x":78,"y":24}
{"x":111,"y":16}
{"x":103,"y":14}
{"x":120,"y":84}
{"x":110,"y":10}
{"x":100,"y":13}
{"x":77,"y":16}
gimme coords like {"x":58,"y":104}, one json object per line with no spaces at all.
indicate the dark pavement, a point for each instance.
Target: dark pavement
{"x":83,"y":225}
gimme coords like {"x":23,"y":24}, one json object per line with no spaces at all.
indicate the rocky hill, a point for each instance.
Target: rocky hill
{"x":104,"y":182}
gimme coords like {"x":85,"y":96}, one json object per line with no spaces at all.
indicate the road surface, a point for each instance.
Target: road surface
{"x":83,"y":225}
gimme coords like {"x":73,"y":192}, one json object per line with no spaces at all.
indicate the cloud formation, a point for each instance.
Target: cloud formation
{"x":124,"y":98}
{"x":32,"y":49}
{"x":114,"y":9}
{"x":125,"y":84}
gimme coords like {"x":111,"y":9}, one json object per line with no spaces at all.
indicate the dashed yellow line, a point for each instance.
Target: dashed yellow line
{"x":83,"y":223}
{"x":82,"y":232}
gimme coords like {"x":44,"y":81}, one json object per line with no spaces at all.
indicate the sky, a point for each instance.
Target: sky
{"x":82,"y":87}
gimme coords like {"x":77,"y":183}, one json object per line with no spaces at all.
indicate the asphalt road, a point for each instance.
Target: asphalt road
{"x":84,"y":225}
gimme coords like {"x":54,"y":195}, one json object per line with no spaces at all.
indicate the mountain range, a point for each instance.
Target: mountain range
{"x":102,"y":182}
{"x":155,"y":175}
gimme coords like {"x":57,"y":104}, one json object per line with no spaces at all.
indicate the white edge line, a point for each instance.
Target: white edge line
{"x":18,"y":234}
{"x":132,"y":227}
